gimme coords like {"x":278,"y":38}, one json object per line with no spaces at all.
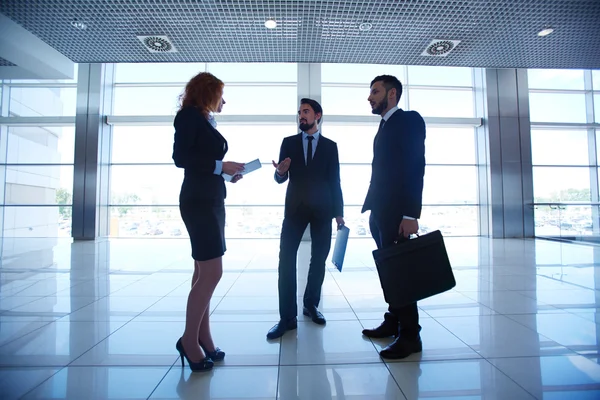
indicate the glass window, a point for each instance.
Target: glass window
{"x":559,"y":147}
{"x":597,"y":107}
{"x":348,"y":101}
{"x":28,"y":184}
{"x":555,"y":79}
{"x":248,"y":142}
{"x":45,"y":81}
{"x":596,"y":79}
{"x":451,"y":221}
{"x":259,"y":187}
{"x":561,"y":184}
{"x":450,"y":185}
{"x":146,"y":100}
{"x":355,"y":181}
{"x":37,"y":222}
{"x":442,"y":103}
{"x":142,"y":144}
{"x":450,"y":146}
{"x":42,"y":102}
{"x":359,"y":73}
{"x":145,"y":184}
{"x":439,"y":76}
{"x":254,"y":72}
{"x":355,"y":142}
{"x":40,"y":145}
{"x":157,"y":72}
{"x":260,"y":100}
{"x":557,"y":107}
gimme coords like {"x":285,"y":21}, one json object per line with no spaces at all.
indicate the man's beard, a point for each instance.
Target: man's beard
{"x":304,"y":127}
{"x":382,"y":106}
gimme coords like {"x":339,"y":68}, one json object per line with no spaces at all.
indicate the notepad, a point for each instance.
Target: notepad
{"x":248,"y":167}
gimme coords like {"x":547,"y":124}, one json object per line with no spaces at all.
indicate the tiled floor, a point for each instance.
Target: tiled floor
{"x":100,"y":321}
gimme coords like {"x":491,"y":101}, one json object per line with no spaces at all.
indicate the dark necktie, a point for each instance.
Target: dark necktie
{"x":309,"y":152}
{"x":381,"y":125}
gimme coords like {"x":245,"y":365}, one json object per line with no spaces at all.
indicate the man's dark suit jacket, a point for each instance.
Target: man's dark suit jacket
{"x":398,"y":167}
{"x":196,"y":147}
{"x":317,"y":186}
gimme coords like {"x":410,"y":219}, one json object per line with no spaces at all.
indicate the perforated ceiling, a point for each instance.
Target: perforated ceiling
{"x":6,"y":63}
{"x":496,"y":33}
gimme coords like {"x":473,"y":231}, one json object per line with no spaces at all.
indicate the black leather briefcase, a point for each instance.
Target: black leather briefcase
{"x":414,"y":269}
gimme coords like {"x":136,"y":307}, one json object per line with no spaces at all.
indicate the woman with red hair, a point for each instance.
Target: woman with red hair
{"x":199,"y":149}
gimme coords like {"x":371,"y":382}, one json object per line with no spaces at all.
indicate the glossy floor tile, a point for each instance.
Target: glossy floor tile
{"x":99,"y":320}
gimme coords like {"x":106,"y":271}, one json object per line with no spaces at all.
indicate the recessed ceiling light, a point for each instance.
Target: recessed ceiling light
{"x":545,"y":32}
{"x":78,"y":24}
{"x":271,"y":24}
{"x":365,"y":26}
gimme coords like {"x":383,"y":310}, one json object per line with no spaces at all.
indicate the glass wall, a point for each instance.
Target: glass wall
{"x":37,"y":160}
{"x":260,"y":111}
{"x":564,"y":151}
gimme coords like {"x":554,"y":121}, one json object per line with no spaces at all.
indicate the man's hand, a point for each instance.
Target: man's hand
{"x":340,"y":222}
{"x":282,"y":167}
{"x":236,"y":178}
{"x":408,"y":227}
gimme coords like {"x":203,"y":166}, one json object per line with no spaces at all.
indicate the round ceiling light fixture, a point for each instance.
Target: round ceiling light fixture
{"x":78,"y":24}
{"x":365,"y":26}
{"x":545,"y":32}
{"x":270,"y":23}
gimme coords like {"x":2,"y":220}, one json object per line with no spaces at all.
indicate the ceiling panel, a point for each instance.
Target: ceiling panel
{"x":499,"y":33}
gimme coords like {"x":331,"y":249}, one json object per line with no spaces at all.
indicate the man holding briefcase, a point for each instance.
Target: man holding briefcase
{"x":395,"y":199}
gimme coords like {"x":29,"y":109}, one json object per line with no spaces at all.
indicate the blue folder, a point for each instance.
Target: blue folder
{"x":339,"y":251}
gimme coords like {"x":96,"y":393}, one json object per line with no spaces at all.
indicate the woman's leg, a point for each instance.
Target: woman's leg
{"x":207,"y":275}
{"x":204,"y":332}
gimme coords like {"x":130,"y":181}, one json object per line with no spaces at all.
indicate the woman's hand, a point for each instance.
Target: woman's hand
{"x":236,"y":178}
{"x":232,"y":168}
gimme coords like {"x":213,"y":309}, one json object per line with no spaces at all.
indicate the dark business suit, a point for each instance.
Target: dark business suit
{"x":314,"y":196}
{"x":197,"y":147}
{"x":396,"y":190}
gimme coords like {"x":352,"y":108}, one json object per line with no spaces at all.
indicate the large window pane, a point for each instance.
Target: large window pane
{"x":348,"y":101}
{"x":555,"y":79}
{"x":145,"y":184}
{"x":248,"y":142}
{"x":563,"y":221}
{"x":254,"y":72}
{"x":359,"y":73}
{"x":142,"y":144}
{"x":442,"y":103}
{"x":157,"y":72}
{"x":451,"y":221}
{"x":46,"y":81}
{"x":450,"y":146}
{"x":42,"y":102}
{"x":561,"y":184}
{"x":355,"y":142}
{"x":557,"y":107}
{"x":559,"y":147}
{"x":26,"y":184}
{"x":450,"y":185}
{"x":597,"y":107}
{"x":146,"y":100}
{"x":439,"y":76}
{"x":258,"y":187}
{"x":355,"y":181}
{"x":41,"y":145}
{"x":260,"y":100}
{"x":596,"y":79}
{"x":38,"y":222}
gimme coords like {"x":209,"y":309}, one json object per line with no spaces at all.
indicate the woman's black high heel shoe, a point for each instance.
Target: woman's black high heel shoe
{"x":217,"y":355}
{"x":204,"y":365}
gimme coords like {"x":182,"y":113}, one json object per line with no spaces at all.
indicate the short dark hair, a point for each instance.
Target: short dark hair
{"x":390,"y":82}
{"x":315,"y":106}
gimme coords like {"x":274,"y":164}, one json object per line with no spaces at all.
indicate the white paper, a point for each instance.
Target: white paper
{"x":248,"y":167}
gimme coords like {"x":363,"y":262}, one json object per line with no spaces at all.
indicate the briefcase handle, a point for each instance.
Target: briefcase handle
{"x":398,"y":238}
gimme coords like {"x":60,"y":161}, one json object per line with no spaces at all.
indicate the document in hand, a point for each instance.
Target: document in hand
{"x":339,"y":251}
{"x":248,"y":167}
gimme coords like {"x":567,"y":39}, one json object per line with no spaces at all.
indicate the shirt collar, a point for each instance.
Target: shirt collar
{"x":389,"y":113}
{"x":315,"y":135}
